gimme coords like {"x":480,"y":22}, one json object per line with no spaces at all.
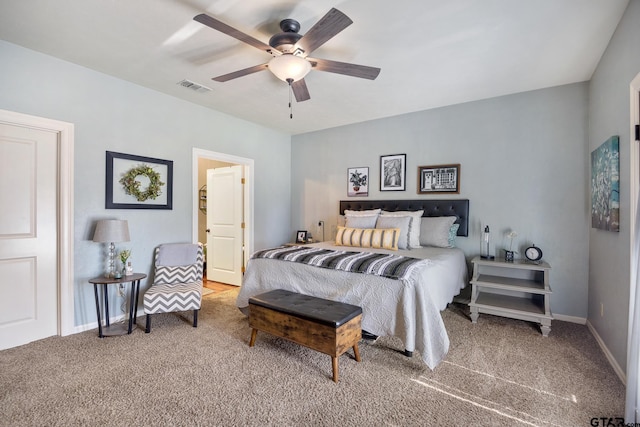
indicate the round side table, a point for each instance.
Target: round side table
{"x":117,"y":329}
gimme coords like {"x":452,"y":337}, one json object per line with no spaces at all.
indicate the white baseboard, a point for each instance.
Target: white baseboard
{"x":612,"y":361}
{"x":570,"y":319}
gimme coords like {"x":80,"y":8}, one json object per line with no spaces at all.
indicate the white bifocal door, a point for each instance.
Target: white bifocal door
{"x":28,"y":235}
{"x":224,"y":225}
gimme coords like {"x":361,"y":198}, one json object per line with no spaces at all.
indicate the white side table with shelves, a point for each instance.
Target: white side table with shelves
{"x":516,"y":289}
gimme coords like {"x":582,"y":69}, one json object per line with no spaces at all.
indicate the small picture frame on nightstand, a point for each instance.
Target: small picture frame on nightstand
{"x":301,"y":236}
{"x":509,"y":256}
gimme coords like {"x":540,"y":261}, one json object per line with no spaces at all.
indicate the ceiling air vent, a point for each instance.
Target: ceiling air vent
{"x":194,"y":86}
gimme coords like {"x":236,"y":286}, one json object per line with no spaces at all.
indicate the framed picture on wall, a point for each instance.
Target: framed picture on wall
{"x":439,"y":179}
{"x":137,"y":182}
{"x":393,"y":172}
{"x":358,"y":182}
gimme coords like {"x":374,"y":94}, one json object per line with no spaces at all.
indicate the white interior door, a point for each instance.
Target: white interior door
{"x":224,"y":225}
{"x":28,"y":234}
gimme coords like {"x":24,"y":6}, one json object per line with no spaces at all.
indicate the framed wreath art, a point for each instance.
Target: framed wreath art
{"x":136,"y":182}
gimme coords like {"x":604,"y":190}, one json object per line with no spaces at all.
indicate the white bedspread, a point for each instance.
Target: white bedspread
{"x":409,"y":309}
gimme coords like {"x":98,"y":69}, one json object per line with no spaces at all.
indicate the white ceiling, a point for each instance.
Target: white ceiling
{"x":432,"y":52}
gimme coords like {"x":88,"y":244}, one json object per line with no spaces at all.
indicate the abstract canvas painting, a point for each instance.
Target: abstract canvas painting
{"x":605,"y":185}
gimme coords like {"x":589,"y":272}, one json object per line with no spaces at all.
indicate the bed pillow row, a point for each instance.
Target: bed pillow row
{"x":407,"y":222}
{"x":416,"y":231}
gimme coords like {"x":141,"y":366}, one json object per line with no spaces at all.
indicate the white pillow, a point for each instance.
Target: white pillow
{"x":348,"y":212}
{"x":414,"y":227}
{"x":435,"y":231}
{"x":400,"y":222}
{"x":361,"y":221}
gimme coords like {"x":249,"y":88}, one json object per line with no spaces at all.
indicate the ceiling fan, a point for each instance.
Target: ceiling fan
{"x":290,"y":51}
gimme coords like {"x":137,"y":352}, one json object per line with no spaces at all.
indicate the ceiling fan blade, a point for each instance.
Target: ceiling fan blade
{"x":300,"y":90}
{"x":327,"y":27}
{"x":240,"y":73}
{"x":353,"y":70}
{"x":230,"y":31}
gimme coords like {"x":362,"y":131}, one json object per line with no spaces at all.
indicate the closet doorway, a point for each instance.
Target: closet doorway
{"x":226,"y":266}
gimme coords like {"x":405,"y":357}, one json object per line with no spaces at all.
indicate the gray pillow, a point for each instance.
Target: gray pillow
{"x":361,"y":221}
{"x":401,"y":222}
{"x":414,"y":229}
{"x":434,"y":231}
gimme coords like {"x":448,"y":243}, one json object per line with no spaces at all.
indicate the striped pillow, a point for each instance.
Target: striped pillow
{"x":380,"y":238}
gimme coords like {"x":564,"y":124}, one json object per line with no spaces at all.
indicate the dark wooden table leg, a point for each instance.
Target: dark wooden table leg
{"x":131,"y":302}
{"x":135,"y":306}
{"x":95,"y":290}
{"x":106,"y":306}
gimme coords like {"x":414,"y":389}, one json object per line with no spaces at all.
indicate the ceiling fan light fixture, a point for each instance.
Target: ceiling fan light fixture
{"x":289,"y":66}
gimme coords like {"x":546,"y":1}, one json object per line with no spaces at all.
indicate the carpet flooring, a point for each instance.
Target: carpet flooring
{"x":498,"y":372}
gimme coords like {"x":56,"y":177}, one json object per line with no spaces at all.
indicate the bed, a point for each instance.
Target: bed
{"x":407,"y":306}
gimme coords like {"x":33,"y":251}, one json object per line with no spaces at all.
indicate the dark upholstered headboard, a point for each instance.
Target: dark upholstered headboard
{"x":455,"y":207}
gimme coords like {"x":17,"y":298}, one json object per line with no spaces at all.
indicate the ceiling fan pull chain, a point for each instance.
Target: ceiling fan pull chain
{"x":290,"y":103}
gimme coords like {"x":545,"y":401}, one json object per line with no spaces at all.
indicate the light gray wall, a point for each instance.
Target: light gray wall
{"x":523,"y":164}
{"x":609,"y":253}
{"x":114,"y":115}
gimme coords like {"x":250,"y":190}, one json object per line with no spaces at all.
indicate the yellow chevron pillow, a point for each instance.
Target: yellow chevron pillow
{"x":380,"y":238}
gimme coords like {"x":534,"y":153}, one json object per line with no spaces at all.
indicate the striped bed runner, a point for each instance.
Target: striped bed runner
{"x":385,"y":265}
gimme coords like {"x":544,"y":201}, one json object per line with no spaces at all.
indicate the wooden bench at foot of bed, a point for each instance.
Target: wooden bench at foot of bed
{"x":329,"y":327}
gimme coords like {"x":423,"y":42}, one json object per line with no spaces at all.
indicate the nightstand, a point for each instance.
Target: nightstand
{"x":516,"y":289}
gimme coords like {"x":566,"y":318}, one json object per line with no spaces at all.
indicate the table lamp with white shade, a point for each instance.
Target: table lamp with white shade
{"x":111,"y":231}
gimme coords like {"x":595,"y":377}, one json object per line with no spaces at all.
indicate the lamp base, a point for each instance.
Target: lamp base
{"x":487,"y":257}
{"x":111,"y":263}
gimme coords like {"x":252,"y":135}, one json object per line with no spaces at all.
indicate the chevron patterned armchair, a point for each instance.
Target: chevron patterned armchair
{"x":177,"y":284}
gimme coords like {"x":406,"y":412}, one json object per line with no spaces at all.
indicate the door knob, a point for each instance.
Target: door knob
{"x":208,"y":230}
